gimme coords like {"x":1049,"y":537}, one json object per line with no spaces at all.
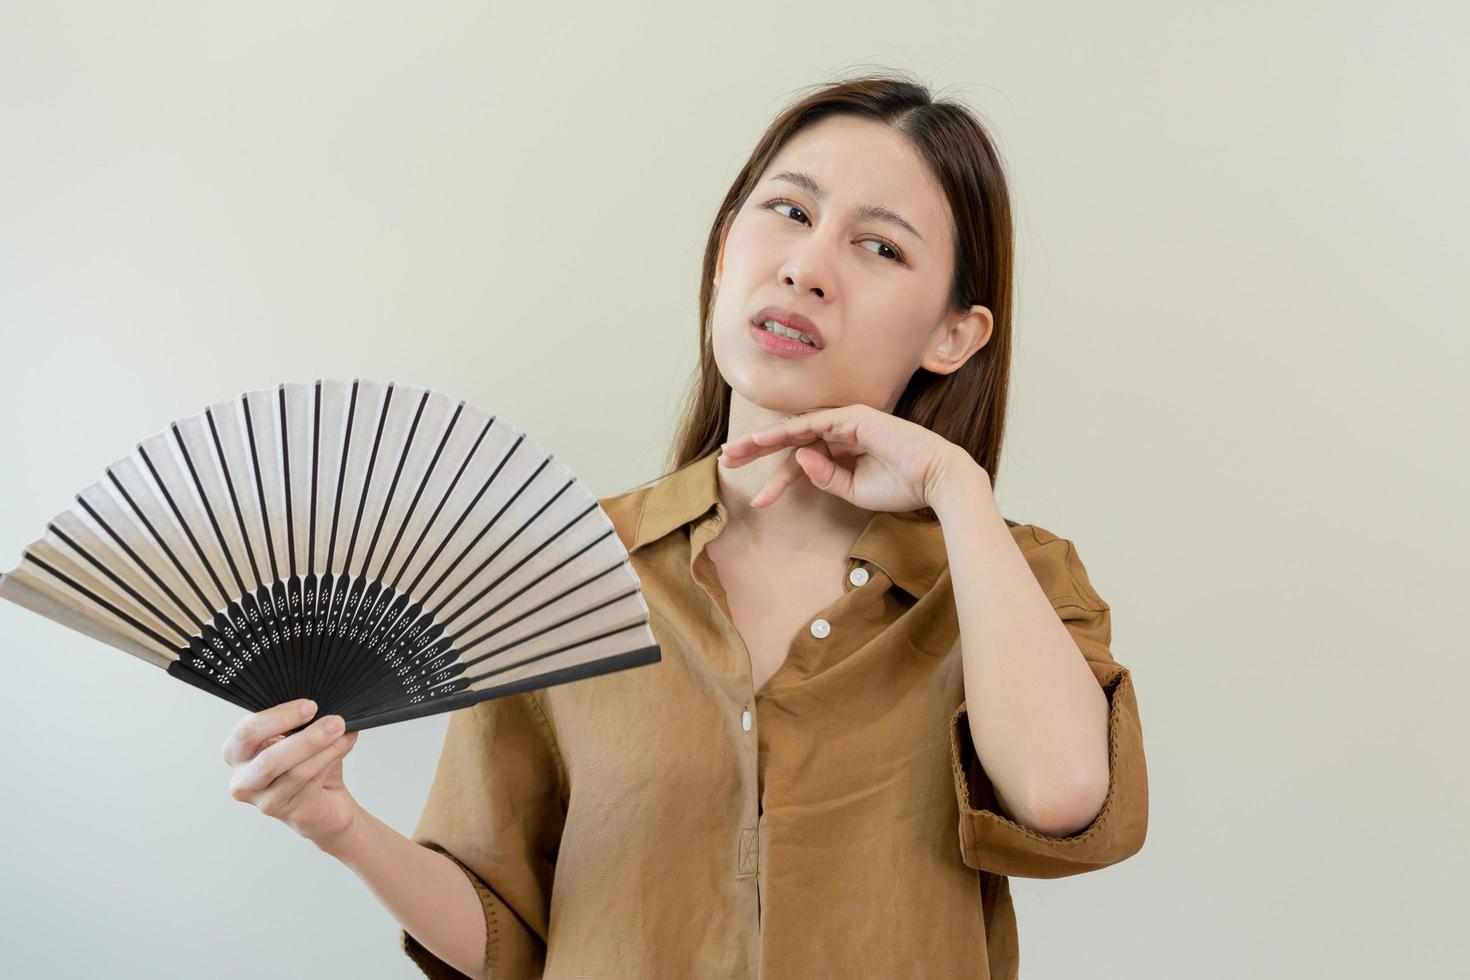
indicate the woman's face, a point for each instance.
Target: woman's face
{"x":875,"y":285}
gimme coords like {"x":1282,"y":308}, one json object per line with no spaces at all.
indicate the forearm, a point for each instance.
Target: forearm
{"x":1037,"y":715}
{"x":426,"y":891}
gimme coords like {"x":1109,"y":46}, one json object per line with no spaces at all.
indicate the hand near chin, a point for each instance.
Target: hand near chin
{"x":866,"y":456}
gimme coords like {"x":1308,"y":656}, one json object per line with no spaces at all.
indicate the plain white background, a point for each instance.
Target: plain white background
{"x":1239,"y":388}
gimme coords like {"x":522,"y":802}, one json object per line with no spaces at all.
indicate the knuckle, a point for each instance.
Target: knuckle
{"x":258,"y":772}
{"x":234,"y":742}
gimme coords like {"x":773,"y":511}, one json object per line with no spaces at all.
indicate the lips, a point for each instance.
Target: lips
{"x":791,"y":319}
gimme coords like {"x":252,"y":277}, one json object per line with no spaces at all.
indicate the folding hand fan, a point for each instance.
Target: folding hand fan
{"x":386,"y":551}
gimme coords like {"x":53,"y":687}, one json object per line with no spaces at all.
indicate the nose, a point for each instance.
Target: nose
{"x":808,"y":268}
{"x":815,"y":289}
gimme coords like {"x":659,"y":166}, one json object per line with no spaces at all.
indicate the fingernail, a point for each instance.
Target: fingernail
{"x":308,"y":708}
{"x":334,"y":725}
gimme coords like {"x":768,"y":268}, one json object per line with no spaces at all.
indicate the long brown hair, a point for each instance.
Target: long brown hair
{"x":966,"y":406}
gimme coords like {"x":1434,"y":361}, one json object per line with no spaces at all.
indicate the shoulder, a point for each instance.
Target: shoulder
{"x":1057,"y":566}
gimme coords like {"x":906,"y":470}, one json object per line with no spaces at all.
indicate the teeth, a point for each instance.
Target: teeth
{"x":786,"y":331}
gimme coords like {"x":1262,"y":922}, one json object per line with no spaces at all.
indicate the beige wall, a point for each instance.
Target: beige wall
{"x":1239,"y":389}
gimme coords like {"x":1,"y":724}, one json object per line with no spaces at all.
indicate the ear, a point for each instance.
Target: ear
{"x":956,"y":340}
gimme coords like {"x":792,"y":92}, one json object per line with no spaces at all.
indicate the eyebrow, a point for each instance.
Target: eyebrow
{"x":876,"y":212}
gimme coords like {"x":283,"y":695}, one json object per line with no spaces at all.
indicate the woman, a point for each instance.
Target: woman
{"x":877,"y":698}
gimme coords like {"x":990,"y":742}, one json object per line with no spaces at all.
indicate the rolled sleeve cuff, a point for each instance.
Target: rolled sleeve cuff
{"x":991,"y":841}
{"x":431,"y":965}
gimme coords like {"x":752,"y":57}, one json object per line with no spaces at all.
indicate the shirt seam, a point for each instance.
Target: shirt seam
{"x":549,"y":734}
{"x":638,"y":526}
{"x":1087,"y":598}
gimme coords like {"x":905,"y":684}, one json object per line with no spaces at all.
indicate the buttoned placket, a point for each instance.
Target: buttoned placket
{"x":703,"y":571}
{"x":747,"y":860}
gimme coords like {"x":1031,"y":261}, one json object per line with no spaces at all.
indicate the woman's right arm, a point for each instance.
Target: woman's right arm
{"x":426,"y":891}
{"x":297,"y":779}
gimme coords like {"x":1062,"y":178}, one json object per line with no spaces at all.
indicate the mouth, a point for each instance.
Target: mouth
{"x":784,"y":323}
{"x":779,"y":345}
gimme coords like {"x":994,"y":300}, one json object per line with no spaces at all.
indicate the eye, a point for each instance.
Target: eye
{"x":896,"y":256}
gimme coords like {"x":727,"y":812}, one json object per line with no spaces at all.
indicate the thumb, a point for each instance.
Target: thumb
{"x":824,"y":472}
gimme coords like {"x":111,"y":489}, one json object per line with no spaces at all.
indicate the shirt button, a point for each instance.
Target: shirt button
{"x":745,"y":719}
{"x":820,"y":628}
{"x":858,"y":576}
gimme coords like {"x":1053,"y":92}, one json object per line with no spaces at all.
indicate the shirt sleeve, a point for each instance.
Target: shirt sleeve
{"x":991,"y":841}
{"x":496,"y":807}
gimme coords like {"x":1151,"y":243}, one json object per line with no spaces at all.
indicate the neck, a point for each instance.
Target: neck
{"x":803,"y":513}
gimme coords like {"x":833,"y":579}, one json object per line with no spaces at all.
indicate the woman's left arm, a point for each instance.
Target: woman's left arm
{"x":1038,"y":718}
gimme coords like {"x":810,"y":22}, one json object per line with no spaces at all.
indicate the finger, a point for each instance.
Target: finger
{"x":788,"y":472}
{"x":316,"y":782}
{"x":268,"y":743}
{"x":258,"y":774}
{"x":253,"y":730}
{"x":824,"y":472}
{"x":279,"y":795}
{"x":792,"y":431}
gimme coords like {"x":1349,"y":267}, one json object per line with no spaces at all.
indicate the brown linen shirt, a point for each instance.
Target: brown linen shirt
{"x":667,"y":823}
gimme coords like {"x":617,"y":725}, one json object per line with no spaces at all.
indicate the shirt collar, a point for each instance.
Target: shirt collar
{"x":908,"y":549}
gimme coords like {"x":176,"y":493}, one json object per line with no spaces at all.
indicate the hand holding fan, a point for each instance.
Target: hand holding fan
{"x":387,"y":552}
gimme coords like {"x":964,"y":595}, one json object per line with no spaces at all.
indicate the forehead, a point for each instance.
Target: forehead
{"x":861,"y":161}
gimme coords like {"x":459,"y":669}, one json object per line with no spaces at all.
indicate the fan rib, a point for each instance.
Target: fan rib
{"x":383,"y":626}
{"x":465,"y":699}
{"x":367,"y":588}
{"x":230,"y":636}
{"x":187,"y":657}
{"x":535,"y":609}
{"x":351,"y":663}
{"x":137,"y":597}
{"x":330,"y":580}
{"x":422,"y":636}
{"x":274,"y":653}
{"x":423,"y":483}
{"x":219,"y":586}
{"x":529,"y":585}
{"x":446,"y":566}
{"x":138,"y":561}
{"x":265,"y":517}
{"x":457,"y":524}
{"x":239,"y":625}
{"x":547,"y":629}
{"x":424,"y":534}
{"x":294,"y":603}
{"x":267,"y":662}
{"x":503,"y":545}
{"x":286,"y":483}
{"x":224,"y":466}
{"x":313,"y":581}
{"x":516,"y":567}
{"x":280,"y":611}
{"x":393,"y":486}
{"x":91,"y":596}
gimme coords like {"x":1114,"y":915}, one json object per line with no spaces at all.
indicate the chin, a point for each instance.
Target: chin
{"x":779,"y":399}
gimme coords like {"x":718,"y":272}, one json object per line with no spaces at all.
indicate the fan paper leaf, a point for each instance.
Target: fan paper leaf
{"x":388,"y":552}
